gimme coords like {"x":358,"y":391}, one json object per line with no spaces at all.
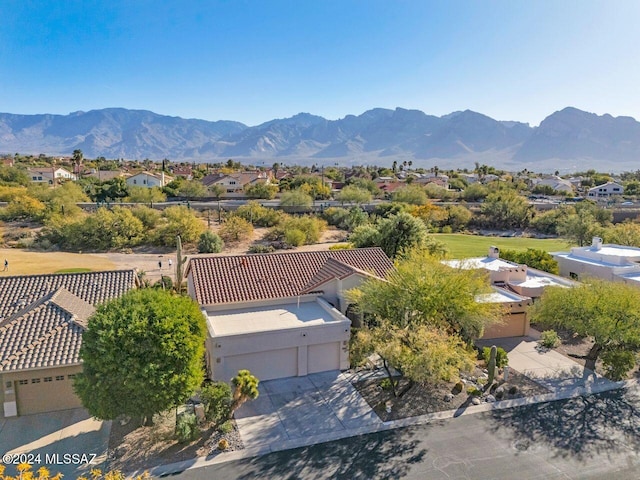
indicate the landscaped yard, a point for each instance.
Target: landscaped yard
{"x":464,"y":246}
{"x":26,"y":262}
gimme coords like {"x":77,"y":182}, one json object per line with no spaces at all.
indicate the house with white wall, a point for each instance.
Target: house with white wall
{"x":601,"y":260}
{"x":280,"y":314}
{"x":515,"y":286}
{"x":46,"y":175}
{"x":607,"y":190}
{"x":148,"y":180}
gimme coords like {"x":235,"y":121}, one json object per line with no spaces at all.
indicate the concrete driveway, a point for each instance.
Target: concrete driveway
{"x":298,"y":410}
{"x":54,"y":435}
{"x":546,"y":367}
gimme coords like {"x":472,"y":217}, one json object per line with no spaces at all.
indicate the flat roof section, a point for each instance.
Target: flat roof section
{"x":593,"y":261}
{"x":271,"y":318}
{"x":501,"y":296}
{"x":487,"y":263}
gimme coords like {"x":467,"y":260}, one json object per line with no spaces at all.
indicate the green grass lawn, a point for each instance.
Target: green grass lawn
{"x":464,"y":246}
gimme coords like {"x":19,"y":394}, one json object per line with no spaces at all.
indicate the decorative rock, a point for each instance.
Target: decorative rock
{"x":476,"y":401}
{"x":484,"y":370}
{"x":489,"y":399}
{"x":448,"y":397}
{"x":499,"y":391}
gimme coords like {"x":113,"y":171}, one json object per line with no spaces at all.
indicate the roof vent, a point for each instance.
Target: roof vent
{"x":596,"y":243}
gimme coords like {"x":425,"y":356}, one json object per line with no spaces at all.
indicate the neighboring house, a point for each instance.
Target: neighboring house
{"x":46,"y":175}
{"x":7,"y":162}
{"x":103,"y":175}
{"x":184,"y":172}
{"x":235,"y":183}
{"x":606,"y":190}
{"x":556,"y":183}
{"x":282,"y":314}
{"x":605,"y":261}
{"x":440,"y":180}
{"x":390,"y":187}
{"x":42,"y":319}
{"x":514,"y":285}
{"x":148,"y":180}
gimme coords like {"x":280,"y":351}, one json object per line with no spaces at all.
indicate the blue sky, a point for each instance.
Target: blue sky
{"x":252,"y":61}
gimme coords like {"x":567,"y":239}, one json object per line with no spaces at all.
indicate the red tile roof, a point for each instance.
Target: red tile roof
{"x":244,"y":278}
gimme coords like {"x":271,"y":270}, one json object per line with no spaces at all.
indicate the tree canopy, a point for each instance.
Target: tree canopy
{"x":142,"y":355}
{"x":609,"y":312}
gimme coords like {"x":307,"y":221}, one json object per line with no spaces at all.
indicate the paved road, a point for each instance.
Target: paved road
{"x":591,"y":437}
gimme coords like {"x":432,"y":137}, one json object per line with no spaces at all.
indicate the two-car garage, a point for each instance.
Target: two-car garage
{"x":278,"y":341}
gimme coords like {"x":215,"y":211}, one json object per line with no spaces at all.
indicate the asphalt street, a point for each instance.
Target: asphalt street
{"x":594,"y":437}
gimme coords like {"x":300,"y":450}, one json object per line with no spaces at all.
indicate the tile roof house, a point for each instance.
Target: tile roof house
{"x":42,"y":319}
{"x":279,"y":314}
{"x":234,"y":183}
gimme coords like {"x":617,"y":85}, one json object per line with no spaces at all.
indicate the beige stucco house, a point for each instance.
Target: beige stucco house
{"x":281,"y":314}
{"x":42,"y":319}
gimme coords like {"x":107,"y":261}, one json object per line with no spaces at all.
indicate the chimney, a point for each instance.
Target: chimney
{"x":162,"y":179}
{"x":596,"y":243}
{"x":494,"y":252}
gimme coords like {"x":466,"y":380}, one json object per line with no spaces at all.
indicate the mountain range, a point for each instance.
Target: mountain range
{"x":567,"y":140}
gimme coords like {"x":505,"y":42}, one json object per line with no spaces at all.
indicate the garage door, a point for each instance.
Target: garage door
{"x":514,"y":326}
{"x":323,"y":357}
{"x":45,"y":394}
{"x":264,"y":365}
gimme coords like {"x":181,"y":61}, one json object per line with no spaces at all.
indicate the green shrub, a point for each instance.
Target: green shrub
{"x":311,"y":227}
{"x":345,"y":219}
{"x":217,"y":399}
{"x":341,"y":246}
{"x":235,"y":229}
{"x":225,"y":427}
{"x":186,"y":427}
{"x":385,"y":384}
{"x":501,"y":356}
{"x":294,"y":237}
{"x":261,"y":249}
{"x":617,"y":363}
{"x":165,"y":282}
{"x":210,"y":243}
{"x":258,"y":215}
{"x":549,"y":339}
{"x":473,"y":391}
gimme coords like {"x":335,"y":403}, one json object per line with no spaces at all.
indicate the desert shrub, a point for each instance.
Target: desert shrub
{"x":258,"y":215}
{"x":473,"y":391}
{"x":225,"y":427}
{"x":261,"y":249}
{"x":235,"y":229}
{"x":311,"y":227}
{"x":341,"y":246}
{"x":617,"y":363}
{"x":216,"y":397}
{"x":294,"y":237}
{"x":179,"y":220}
{"x":501,"y":356}
{"x":23,"y":208}
{"x":148,"y":216}
{"x":223,"y":444}
{"x":385,"y":384}
{"x":186,"y":427}
{"x":345,"y":219}
{"x":210,"y":243}
{"x":549,"y":339}
{"x":165,"y":283}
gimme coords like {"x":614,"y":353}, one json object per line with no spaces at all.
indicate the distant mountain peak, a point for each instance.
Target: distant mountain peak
{"x":378,"y":135}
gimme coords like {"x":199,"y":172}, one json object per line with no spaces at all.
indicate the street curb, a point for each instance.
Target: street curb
{"x":198,"y":462}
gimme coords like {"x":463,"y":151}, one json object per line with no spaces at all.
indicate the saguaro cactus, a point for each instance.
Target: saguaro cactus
{"x":179,"y":265}
{"x":492,"y":364}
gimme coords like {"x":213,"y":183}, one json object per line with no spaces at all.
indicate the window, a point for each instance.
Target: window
{"x":232,"y":182}
{"x":616,"y":189}
{"x":72,"y":376}
{"x":48,"y":379}
{"x":229,"y":191}
{"x":135,"y":182}
{"x":144,"y":182}
{"x":23,"y":382}
{"x":8,"y":385}
{"x":35,"y":380}
{"x":59,"y":377}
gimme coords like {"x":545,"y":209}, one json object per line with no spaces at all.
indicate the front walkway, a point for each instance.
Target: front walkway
{"x":292,"y":411}
{"x":546,"y":367}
